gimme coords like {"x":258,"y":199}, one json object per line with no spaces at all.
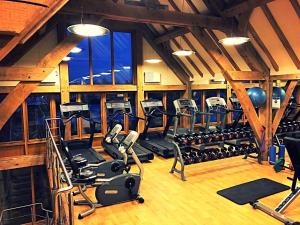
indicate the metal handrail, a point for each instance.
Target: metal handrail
{"x":57,"y":170}
{"x":61,"y":162}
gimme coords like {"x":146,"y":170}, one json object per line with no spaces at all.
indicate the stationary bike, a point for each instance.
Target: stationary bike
{"x":121,"y":188}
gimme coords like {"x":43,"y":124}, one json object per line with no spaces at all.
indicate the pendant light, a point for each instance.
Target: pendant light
{"x":153,"y":61}
{"x":182,"y":52}
{"x":233,"y":40}
{"x":87,"y":30}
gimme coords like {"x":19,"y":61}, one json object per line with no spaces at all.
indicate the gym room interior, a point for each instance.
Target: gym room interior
{"x":142,"y":112}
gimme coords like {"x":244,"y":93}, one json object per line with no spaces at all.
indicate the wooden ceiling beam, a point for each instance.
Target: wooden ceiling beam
{"x":296,"y":6}
{"x":243,"y":7}
{"x":281,"y":35}
{"x":246,"y":75}
{"x":24,"y":73}
{"x":290,"y":86}
{"x":188,"y":59}
{"x":263,"y":47}
{"x":170,"y":34}
{"x":205,"y":64}
{"x":214,"y":6}
{"x":166,"y":56}
{"x":32,"y":27}
{"x":138,"y":14}
{"x":23,"y":89}
{"x":221,"y":47}
{"x":295,"y":76}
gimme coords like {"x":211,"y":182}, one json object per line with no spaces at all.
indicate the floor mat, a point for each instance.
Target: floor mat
{"x":251,"y":191}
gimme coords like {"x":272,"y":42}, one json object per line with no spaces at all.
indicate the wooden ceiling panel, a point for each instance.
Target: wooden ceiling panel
{"x":203,"y":53}
{"x":290,"y":24}
{"x":14,"y":16}
{"x":233,"y":52}
{"x":271,"y":41}
{"x":200,"y":6}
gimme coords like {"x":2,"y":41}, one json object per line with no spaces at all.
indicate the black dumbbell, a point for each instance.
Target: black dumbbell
{"x":212,"y":154}
{"x":204,"y":156}
{"x":220,"y":154}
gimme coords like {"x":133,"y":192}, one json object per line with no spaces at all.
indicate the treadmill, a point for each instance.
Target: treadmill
{"x":115,"y":110}
{"x":156,"y":141}
{"x":75,"y":110}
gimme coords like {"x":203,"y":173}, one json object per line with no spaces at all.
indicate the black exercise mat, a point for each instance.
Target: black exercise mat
{"x":251,"y":191}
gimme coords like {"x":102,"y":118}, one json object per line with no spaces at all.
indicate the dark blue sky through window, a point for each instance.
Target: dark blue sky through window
{"x":101,"y":58}
{"x":123,"y":58}
{"x":79,"y":71}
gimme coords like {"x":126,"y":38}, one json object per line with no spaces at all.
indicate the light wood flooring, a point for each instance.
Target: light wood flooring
{"x":168,"y":200}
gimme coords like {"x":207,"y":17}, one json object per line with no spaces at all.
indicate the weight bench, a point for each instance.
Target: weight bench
{"x":293,"y":148}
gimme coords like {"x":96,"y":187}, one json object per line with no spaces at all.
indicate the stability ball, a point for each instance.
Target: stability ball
{"x":258,"y":96}
{"x":278,"y":93}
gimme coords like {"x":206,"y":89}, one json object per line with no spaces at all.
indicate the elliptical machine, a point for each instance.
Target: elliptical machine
{"x":121,"y":188}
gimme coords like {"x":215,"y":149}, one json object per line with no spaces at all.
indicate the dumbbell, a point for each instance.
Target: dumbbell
{"x":190,"y":139}
{"x":241,"y":150}
{"x":232,"y":150}
{"x":207,"y":138}
{"x":204,"y":156}
{"x":187,"y":159}
{"x":220,"y":154}
{"x":198,"y":139}
{"x":195,"y":155}
{"x":212,"y":154}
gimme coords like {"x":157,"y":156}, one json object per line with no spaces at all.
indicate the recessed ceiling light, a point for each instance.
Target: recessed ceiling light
{"x":88,"y":30}
{"x":230,"y":41}
{"x":126,"y":67}
{"x":76,"y":50}
{"x":105,"y":73}
{"x":153,"y":61}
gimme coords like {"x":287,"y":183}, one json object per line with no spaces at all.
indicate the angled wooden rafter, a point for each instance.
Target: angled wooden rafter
{"x":110,"y":10}
{"x":295,"y":76}
{"x":296,"y":6}
{"x":24,"y":73}
{"x":246,"y":104}
{"x":198,"y":55}
{"x":170,"y":34}
{"x":167,"y":58}
{"x":263,"y":47}
{"x":188,"y":59}
{"x":290,"y":86}
{"x":243,"y":7}
{"x":23,"y":89}
{"x":281,"y":35}
{"x":35,"y":24}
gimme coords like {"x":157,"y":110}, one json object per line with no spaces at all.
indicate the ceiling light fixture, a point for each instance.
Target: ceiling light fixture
{"x":153,"y":61}
{"x":76,"y":50}
{"x":183,"y":52}
{"x":66,"y":59}
{"x":231,"y":41}
{"x":126,"y":67}
{"x":87,"y":30}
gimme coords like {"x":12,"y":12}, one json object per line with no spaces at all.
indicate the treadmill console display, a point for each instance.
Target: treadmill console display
{"x":216,"y":102}
{"x":185,"y":103}
{"x":147,"y":105}
{"x":76,"y":108}
{"x":118,"y":106}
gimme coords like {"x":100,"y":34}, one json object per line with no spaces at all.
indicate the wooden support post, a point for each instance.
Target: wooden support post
{"x":288,"y":93}
{"x":265,"y":117}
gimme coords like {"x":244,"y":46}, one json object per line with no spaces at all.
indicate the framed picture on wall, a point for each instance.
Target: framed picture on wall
{"x":152,"y":77}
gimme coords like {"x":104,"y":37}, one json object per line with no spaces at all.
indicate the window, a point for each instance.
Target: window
{"x":38,"y":107}
{"x":114,"y":96}
{"x":79,"y":71}
{"x":13,"y":129}
{"x":101,"y":60}
{"x":96,"y":61}
{"x":197,"y":96}
{"x":123,"y":58}
{"x":132,"y":121}
{"x":74,"y":130}
{"x":171,"y":96}
{"x":93,"y":100}
{"x":157,"y":121}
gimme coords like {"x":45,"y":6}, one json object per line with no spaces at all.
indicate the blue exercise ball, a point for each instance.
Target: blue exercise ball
{"x":258,"y":96}
{"x":278,"y":93}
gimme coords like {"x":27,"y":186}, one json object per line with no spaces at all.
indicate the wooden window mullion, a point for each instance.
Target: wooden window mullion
{"x":112,"y":55}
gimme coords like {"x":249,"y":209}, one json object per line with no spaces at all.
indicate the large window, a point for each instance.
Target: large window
{"x":197,"y":96}
{"x":13,"y":129}
{"x":208,"y":94}
{"x":103,"y":60}
{"x":38,"y":107}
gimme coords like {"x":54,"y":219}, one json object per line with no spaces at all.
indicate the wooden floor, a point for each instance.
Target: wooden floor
{"x":168,"y":200}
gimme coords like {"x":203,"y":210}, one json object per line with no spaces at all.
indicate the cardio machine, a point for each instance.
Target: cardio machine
{"x":156,"y":141}
{"x":293,"y":149}
{"x":117,"y":189}
{"x":115,"y":110}
{"x":75,"y":110}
